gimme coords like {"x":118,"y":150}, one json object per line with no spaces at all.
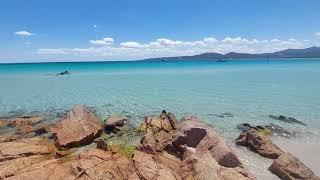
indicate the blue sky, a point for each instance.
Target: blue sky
{"x":76,"y":30}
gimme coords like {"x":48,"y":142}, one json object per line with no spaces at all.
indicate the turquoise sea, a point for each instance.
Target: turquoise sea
{"x":248,"y":89}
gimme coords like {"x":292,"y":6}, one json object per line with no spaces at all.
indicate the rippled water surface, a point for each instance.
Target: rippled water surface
{"x":249,"y":90}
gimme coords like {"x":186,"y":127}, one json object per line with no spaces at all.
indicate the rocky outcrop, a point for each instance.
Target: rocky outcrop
{"x":79,"y":127}
{"x":149,"y":168}
{"x":90,"y":164}
{"x":164,"y":122}
{"x":191,"y":133}
{"x":154,"y":142}
{"x":14,"y":166}
{"x":289,"y":167}
{"x":158,"y":131}
{"x":205,"y":167}
{"x":114,"y":121}
{"x":190,"y":150}
{"x":25,"y":147}
{"x":8,"y":138}
{"x":169,"y":150}
{"x":259,"y":143}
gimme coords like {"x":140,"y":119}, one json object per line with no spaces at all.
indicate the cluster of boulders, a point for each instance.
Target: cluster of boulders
{"x":78,"y":147}
{"x":285,"y":165}
{"x":169,"y":149}
{"x":185,"y":149}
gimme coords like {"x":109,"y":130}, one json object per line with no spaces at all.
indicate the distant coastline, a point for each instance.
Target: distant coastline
{"x":311,"y":52}
{"x":307,"y":53}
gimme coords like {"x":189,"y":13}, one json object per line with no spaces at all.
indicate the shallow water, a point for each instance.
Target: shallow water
{"x":248,"y":89}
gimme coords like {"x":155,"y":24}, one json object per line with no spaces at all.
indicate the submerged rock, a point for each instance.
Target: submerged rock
{"x":245,"y":127}
{"x":21,"y":127}
{"x":25,"y":120}
{"x":270,"y":129}
{"x":280,"y":131}
{"x":258,"y":142}
{"x":287,"y":119}
{"x":78,"y":128}
{"x":223,"y":115}
{"x":289,"y":167}
{"x":3,"y":122}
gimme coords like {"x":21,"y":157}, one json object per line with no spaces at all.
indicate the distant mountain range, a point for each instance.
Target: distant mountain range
{"x":312,"y":52}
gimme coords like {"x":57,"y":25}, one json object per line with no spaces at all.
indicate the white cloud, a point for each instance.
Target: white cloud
{"x":210,"y":40}
{"x":98,"y":42}
{"x":23,"y":33}
{"x":131,"y":44}
{"x":110,"y":40}
{"x":104,"y":41}
{"x":52,"y":51}
{"x":164,"y":47}
{"x":275,"y":40}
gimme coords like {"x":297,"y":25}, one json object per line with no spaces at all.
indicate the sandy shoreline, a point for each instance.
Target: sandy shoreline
{"x":307,"y":152}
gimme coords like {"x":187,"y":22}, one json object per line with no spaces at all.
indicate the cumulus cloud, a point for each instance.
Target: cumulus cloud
{"x":104,"y":41}
{"x":131,"y":44}
{"x":164,"y":47}
{"x":24,"y":33}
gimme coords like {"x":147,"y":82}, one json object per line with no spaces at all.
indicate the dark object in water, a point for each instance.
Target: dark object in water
{"x":275,"y":129}
{"x":63,"y":73}
{"x":222,"y":115}
{"x":245,"y":127}
{"x":290,"y":120}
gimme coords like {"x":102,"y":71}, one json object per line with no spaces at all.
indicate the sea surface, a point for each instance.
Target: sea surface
{"x":248,"y":91}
